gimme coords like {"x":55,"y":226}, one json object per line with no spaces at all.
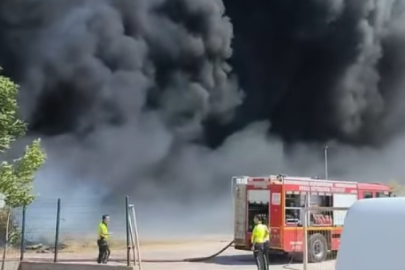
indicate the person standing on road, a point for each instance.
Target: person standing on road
{"x":267,"y":241}
{"x":102,"y":243}
{"x":259,"y":235}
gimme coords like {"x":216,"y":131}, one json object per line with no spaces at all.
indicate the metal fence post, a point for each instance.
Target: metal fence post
{"x":305,"y":253}
{"x":136,"y":236}
{"x":127,"y":228}
{"x":22,"y":243}
{"x":55,"y":259}
{"x":305,"y":229}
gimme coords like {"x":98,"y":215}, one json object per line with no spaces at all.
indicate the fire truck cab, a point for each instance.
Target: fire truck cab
{"x":281,"y":201}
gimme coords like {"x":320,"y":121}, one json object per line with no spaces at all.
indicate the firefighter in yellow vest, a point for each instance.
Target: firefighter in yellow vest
{"x":267,"y":240}
{"x":102,"y":241}
{"x":259,"y":237}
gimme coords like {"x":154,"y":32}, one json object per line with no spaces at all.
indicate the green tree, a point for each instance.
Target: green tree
{"x":16,"y":177}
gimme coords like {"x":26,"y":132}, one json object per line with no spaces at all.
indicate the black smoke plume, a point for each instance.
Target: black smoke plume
{"x":134,"y":96}
{"x":322,"y":70}
{"x":152,"y":70}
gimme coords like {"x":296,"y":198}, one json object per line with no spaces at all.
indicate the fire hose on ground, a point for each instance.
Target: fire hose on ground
{"x":195,"y":259}
{"x":133,"y":232}
{"x":191,"y":259}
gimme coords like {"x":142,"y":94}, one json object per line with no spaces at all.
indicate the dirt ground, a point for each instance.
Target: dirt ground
{"x":230,"y":259}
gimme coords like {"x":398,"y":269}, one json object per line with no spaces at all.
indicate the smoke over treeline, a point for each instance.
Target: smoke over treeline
{"x":134,"y":96}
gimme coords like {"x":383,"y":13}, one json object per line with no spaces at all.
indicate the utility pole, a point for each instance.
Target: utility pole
{"x":326,"y":162}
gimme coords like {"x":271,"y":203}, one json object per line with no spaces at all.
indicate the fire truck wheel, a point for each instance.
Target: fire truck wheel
{"x":317,"y":248}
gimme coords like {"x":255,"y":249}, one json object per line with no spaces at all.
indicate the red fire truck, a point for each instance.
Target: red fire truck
{"x":281,"y":199}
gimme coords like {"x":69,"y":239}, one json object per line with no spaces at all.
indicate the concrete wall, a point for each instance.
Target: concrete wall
{"x":69,"y":266}
{"x":11,"y":265}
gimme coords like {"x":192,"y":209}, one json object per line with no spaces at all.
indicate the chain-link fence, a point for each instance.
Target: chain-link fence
{"x":322,"y":230}
{"x":10,"y":235}
{"x":38,"y":225}
{"x":50,"y":229}
{"x":79,"y":221}
{"x":10,"y":238}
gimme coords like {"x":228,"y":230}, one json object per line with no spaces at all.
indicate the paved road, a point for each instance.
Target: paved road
{"x":230,"y":259}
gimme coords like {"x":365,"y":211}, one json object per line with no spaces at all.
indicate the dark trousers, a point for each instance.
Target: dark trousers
{"x":260,"y":255}
{"x":103,"y":251}
{"x":267,"y":251}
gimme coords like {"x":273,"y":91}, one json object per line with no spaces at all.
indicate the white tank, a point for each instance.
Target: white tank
{"x":373,"y":237}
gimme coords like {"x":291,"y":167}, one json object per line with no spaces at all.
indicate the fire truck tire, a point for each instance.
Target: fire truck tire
{"x":317,"y":248}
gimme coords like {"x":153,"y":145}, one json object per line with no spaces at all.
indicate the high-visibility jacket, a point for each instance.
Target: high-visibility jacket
{"x":259,"y":234}
{"x":102,"y":231}
{"x":267,"y":238}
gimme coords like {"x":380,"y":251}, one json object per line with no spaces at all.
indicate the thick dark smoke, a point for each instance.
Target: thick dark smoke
{"x":152,"y":71}
{"x":322,"y":70}
{"x":138,"y":97}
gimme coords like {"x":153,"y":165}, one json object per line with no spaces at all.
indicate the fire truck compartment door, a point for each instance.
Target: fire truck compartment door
{"x":240,"y":213}
{"x":259,"y":196}
{"x":342,"y":200}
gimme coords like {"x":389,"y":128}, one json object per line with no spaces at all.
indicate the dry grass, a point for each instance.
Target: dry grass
{"x":72,"y":245}
{"x":75,"y":245}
